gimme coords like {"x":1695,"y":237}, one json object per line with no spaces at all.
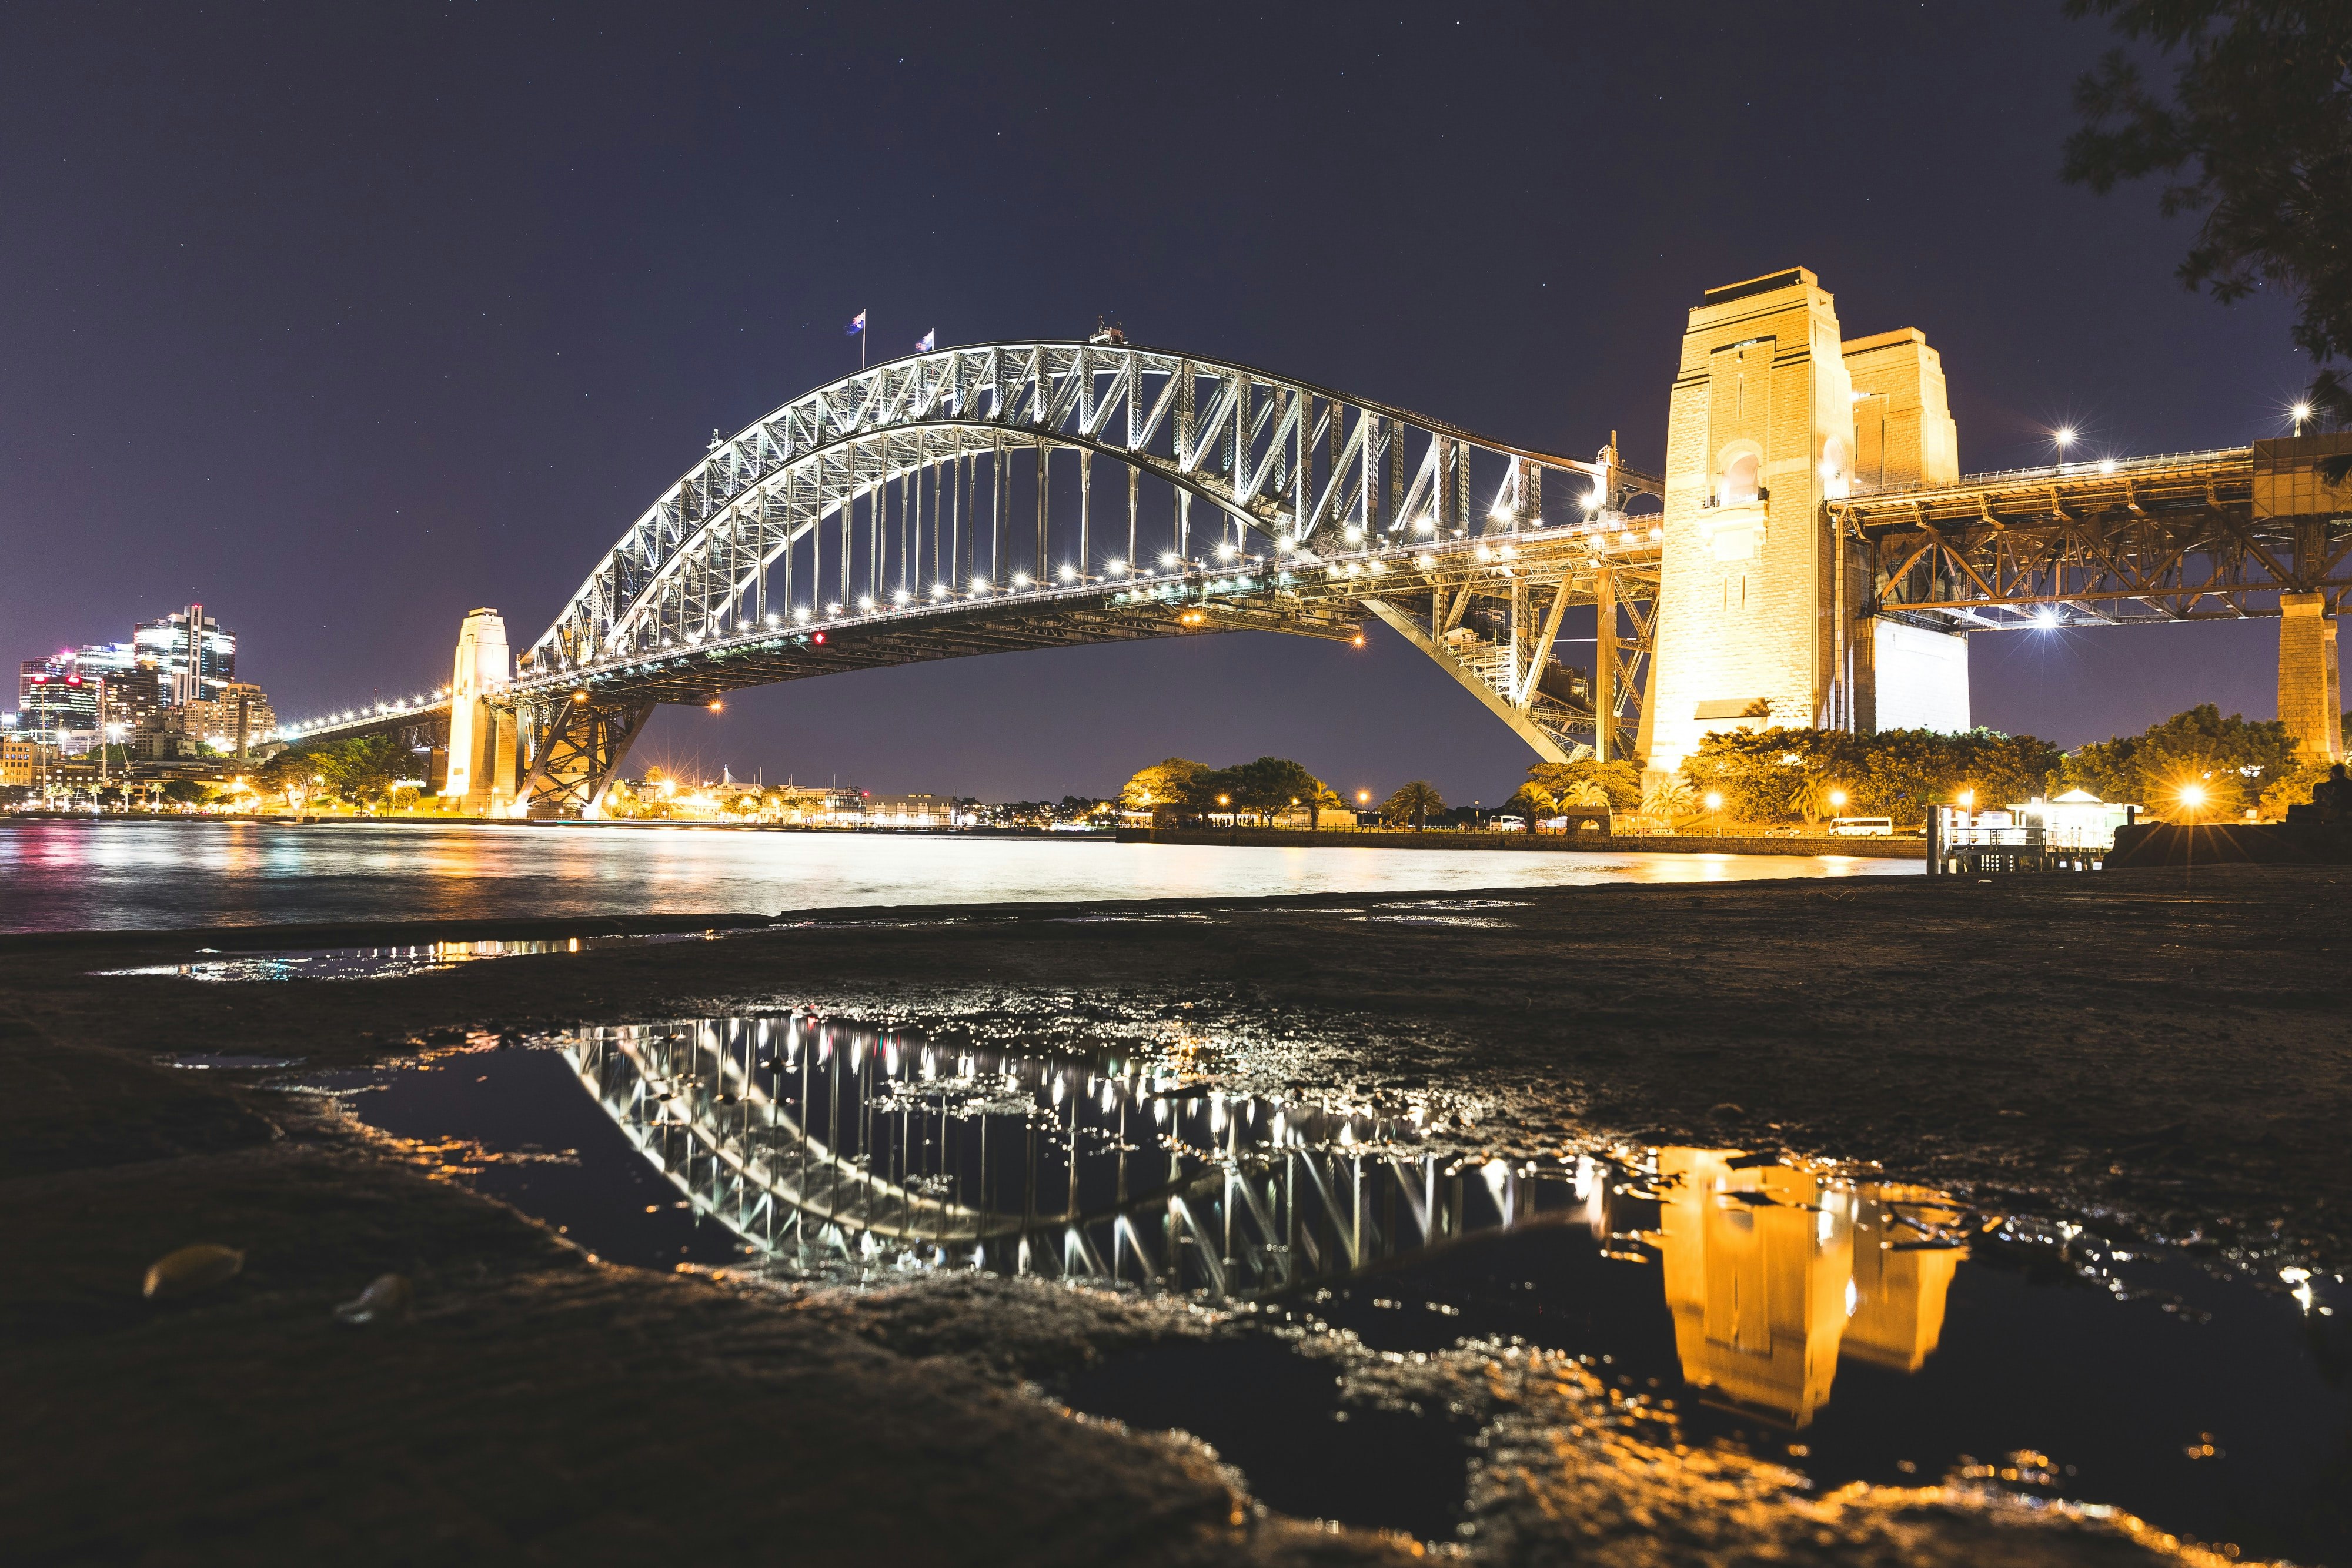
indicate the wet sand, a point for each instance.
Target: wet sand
{"x":2162,"y":1057}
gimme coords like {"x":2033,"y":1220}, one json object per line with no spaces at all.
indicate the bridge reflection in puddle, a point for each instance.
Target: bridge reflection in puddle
{"x":1853,"y":1329}
{"x":827,"y":1148}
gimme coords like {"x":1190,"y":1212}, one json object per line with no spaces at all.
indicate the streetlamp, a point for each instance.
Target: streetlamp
{"x":1715,"y":808}
{"x":2192,"y":796}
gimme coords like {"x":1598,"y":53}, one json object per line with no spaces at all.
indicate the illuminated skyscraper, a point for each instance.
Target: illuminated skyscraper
{"x":189,"y":652}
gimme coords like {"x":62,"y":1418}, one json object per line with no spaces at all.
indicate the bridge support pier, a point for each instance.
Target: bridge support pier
{"x":2310,"y":685}
{"x":481,"y":734}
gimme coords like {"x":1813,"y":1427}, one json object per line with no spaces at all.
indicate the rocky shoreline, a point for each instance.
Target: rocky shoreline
{"x":2156,"y":1055}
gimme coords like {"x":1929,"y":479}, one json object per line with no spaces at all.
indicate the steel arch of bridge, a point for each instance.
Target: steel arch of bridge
{"x":1277,"y":456}
{"x":873,"y":521}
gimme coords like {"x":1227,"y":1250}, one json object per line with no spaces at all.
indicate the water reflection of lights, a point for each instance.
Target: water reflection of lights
{"x":379,"y":963}
{"x":826,"y":1146}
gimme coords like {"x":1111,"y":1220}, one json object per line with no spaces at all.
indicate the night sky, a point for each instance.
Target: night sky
{"x":344,"y":319}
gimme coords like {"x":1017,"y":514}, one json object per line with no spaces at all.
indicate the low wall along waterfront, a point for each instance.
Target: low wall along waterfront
{"x":1458,"y":838}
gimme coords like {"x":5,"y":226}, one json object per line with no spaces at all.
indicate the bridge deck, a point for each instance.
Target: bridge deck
{"x":2216,"y":535}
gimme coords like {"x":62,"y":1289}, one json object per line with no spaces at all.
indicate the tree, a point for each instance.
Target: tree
{"x":1272,"y":785}
{"x":1621,"y":780}
{"x":1810,"y":798}
{"x":1414,"y":803}
{"x":2232,"y":761}
{"x":1534,"y":802}
{"x":1670,"y":799}
{"x":1326,"y":802}
{"x":1584,"y":795}
{"x":2255,"y":137}
{"x":1163,"y":788}
{"x":360,"y":770}
{"x":2291,"y":788}
{"x":1764,"y":775}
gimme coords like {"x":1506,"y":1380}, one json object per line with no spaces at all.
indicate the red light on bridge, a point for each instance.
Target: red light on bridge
{"x":820,"y":636}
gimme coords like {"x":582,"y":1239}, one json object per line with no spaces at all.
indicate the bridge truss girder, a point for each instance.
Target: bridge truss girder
{"x":2162,"y":540}
{"x":572,"y":749}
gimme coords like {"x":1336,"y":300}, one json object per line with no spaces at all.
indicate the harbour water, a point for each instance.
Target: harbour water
{"x":131,"y":873}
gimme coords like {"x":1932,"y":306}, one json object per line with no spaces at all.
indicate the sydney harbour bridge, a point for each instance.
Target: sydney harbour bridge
{"x":1811,"y":555}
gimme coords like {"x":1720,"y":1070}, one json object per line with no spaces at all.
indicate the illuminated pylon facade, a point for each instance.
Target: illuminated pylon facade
{"x":481,"y":732}
{"x":1760,"y":616}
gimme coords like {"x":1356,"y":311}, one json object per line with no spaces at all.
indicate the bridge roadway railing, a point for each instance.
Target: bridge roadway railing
{"x":2215,"y":457}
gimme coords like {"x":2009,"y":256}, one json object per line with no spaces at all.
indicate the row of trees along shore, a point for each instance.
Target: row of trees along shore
{"x":1180,"y":792}
{"x":1776,"y":778}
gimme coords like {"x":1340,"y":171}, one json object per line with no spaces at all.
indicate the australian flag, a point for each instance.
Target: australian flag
{"x":924,"y":345}
{"x":857,"y":324}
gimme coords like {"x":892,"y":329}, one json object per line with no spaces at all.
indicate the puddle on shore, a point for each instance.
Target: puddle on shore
{"x":1847,"y":1327}
{"x":384,"y":963}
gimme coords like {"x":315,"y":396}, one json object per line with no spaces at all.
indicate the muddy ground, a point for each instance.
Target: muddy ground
{"x":2164,"y":1057}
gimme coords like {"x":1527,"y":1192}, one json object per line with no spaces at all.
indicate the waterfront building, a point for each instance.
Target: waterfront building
{"x":20,"y":764}
{"x":230,"y":723}
{"x":189,"y":651}
{"x":908,"y":810}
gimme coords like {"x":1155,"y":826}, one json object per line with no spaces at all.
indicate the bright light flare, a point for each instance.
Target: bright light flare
{"x":2063,"y":435}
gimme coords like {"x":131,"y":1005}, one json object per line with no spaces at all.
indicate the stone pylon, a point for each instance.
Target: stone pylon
{"x":1763,"y":618}
{"x":2310,"y":685}
{"x":482,"y":737}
